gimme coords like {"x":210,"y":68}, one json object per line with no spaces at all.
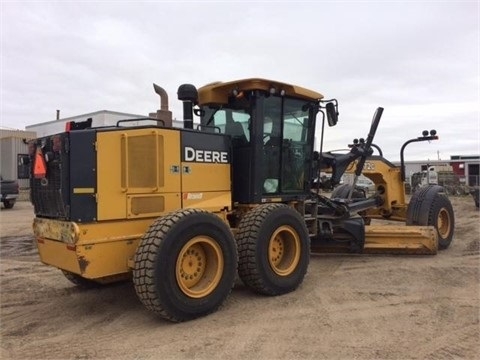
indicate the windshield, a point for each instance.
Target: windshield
{"x":228,"y":121}
{"x":233,"y":120}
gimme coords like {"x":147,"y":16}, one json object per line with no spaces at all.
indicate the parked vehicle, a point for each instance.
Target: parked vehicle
{"x":423,"y":178}
{"x":9,"y":191}
{"x":365,"y":184}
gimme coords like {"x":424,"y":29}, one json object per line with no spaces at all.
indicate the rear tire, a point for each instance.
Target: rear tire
{"x":274,"y":249}
{"x":185,"y":265}
{"x":341,"y":192}
{"x":429,"y":206}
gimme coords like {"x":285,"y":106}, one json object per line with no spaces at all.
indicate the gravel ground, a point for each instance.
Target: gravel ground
{"x":362,"y":307}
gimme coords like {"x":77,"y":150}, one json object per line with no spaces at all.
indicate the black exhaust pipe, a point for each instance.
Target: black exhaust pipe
{"x":189,"y":95}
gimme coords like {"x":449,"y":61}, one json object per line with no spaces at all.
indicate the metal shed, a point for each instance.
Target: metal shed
{"x":13,"y":149}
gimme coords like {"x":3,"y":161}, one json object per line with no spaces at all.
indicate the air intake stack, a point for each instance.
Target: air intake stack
{"x":189,"y":95}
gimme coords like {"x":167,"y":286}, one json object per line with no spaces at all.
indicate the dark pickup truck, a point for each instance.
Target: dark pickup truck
{"x":9,"y":192}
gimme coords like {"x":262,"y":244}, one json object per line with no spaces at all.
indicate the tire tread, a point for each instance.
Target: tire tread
{"x":247,"y":238}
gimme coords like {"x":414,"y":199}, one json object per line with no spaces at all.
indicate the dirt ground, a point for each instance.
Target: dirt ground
{"x":362,"y":307}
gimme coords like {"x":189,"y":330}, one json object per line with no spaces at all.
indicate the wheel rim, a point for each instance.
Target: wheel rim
{"x":284,"y":250}
{"x":443,"y":223}
{"x":199,"y":267}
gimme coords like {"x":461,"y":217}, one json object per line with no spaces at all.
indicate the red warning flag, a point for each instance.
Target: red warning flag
{"x":39,"y":166}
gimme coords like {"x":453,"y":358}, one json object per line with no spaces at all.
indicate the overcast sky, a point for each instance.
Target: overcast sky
{"x":418,"y":60}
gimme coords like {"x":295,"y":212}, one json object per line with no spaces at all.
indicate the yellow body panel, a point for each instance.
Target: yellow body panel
{"x":100,"y":249}
{"x":57,"y":254}
{"x":100,"y":260}
{"x":206,"y":186}
{"x":106,"y":258}
{"x":151,"y":205}
{"x":137,"y":162}
{"x":389,"y":184}
{"x":205,"y":177}
{"x":213,"y":201}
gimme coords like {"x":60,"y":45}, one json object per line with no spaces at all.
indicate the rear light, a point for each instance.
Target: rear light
{"x":39,"y":165}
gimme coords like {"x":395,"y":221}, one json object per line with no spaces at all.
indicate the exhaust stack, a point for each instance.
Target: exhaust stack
{"x":163,"y":113}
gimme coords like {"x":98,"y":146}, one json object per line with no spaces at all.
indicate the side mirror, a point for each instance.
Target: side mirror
{"x":332,"y":115}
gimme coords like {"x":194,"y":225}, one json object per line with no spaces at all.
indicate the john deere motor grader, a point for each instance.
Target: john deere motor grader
{"x":180,"y":210}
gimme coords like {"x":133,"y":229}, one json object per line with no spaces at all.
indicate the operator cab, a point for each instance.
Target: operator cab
{"x":272,"y":126}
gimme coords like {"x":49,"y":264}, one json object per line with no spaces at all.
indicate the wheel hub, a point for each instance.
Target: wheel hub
{"x":443,"y":223}
{"x":284,"y":250}
{"x":199,"y":267}
{"x":192,"y":265}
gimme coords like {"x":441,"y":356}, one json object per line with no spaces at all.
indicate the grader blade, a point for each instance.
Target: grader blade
{"x":394,"y":239}
{"x":386,"y":239}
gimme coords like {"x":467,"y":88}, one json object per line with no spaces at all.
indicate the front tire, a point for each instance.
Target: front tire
{"x":185,"y":265}
{"x":274,"y":249}
{"x":429,"y":206}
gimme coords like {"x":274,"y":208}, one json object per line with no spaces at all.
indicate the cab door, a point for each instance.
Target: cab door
{"x":206,"y":171}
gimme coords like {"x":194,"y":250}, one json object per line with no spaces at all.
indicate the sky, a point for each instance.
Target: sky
{"x":419,"y":60}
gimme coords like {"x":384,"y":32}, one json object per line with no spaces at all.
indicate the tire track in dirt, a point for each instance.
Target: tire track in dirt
{"x":454,"y":344}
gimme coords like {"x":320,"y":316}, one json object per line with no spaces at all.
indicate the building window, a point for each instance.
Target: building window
{"x":23,"y":166}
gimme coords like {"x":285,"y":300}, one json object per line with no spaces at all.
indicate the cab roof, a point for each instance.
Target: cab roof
{"x":219,"y":92}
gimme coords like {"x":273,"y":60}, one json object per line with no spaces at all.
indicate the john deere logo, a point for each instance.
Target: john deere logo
{"x":206,"y":156}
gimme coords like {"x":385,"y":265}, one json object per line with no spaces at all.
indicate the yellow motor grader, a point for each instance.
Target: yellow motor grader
{"x":181,"y":210}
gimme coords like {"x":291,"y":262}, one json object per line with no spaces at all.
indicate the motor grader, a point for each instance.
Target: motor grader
{"x":181,"y":210}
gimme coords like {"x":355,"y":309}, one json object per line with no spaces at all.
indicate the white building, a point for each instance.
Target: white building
{"x":99,"y":118}
{"x":13,"y":152}
{"x":13,"y":143}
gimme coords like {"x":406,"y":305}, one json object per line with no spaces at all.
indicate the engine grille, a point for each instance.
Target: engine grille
{"x":49,"y":195}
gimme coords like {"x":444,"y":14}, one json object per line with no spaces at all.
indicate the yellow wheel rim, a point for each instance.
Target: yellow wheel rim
{"x":199,"y":267}
{"x":443,"y":223}
{"x":284,"y":250}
